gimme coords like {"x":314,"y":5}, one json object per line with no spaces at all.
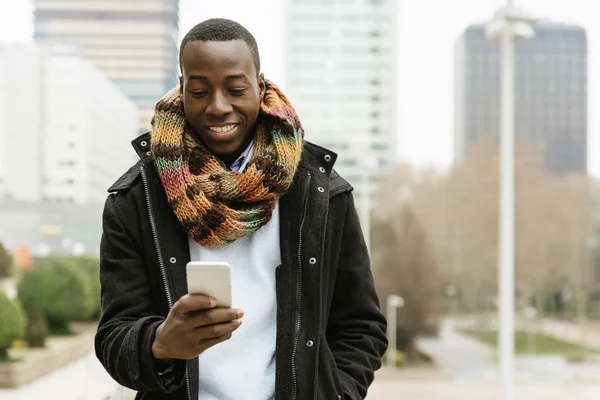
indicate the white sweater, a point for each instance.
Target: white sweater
{"x":244,"y":366}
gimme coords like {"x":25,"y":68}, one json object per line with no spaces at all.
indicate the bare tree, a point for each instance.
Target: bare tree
{"x":404,"y":265}
{"x":459,"y":214}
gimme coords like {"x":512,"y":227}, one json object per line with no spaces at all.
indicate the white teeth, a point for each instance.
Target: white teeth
{"x":222,"y":129}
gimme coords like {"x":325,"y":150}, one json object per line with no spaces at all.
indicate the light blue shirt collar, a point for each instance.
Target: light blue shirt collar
{"x":240,"y":163}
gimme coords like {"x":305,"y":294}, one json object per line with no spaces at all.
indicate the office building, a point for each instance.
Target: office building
{"x":341,"y":78}
{"x":133,"y":42}
{"x":65,"y":128}
{"x":551,"y":78}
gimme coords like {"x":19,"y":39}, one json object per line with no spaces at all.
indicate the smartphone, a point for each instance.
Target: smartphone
{"x":210,"y":279}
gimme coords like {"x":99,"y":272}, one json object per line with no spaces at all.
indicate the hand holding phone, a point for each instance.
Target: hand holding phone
{"x":196,"y":322}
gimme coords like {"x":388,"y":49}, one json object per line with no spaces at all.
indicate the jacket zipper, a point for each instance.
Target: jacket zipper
{"x":161,"y":263}
{"x":299,"y":295}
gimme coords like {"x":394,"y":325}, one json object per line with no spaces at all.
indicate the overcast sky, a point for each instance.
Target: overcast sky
{"x":427,"y":31}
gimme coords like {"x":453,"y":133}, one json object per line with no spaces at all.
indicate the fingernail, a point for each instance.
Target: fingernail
{"x":213,"y":302}
{"x":240,"y":313}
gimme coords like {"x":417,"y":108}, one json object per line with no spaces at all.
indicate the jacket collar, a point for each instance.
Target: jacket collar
{"x":141,"y":145}
{"x":317,"y":159}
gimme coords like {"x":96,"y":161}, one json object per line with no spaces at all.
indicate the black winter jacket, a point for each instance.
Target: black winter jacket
{"x":330,"y":331}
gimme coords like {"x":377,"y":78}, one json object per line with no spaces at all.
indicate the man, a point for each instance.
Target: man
{"x":225,"y":175}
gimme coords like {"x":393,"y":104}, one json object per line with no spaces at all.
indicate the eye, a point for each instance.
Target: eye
{"x":198,"y":94}
{"x":238,"y":91}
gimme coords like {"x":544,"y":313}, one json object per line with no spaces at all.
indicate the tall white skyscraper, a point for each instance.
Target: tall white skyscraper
{"x":65,"y":128}
{"x":341,"y":78}
{"x":133,"y":42}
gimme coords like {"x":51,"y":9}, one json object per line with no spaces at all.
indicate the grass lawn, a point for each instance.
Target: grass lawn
{"x":540,"y":343}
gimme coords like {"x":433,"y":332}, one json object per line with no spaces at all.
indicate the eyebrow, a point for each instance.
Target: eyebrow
{"x":204,"y":78}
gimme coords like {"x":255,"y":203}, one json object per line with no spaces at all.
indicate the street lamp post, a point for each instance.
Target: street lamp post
{"x":394,"y":302}
{"x":508,"y":25}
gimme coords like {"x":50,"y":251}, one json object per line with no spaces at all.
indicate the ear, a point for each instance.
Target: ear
{"x":262,"y":86}
{"x":181,"y":85}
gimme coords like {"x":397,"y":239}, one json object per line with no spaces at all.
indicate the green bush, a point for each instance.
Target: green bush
{"x":60,"y":289}
{"x":12,"y":324}
{"x":37,"y":327}
{"x":6,"y":267}
{"x":91,"y":268}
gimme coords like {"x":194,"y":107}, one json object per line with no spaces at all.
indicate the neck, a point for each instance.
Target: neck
{"x":229,"y":159}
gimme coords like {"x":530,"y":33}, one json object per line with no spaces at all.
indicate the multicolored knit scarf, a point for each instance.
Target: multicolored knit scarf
{"x":216,"y":206}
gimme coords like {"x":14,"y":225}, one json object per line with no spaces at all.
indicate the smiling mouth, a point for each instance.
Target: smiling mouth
{"x":223,"y":129}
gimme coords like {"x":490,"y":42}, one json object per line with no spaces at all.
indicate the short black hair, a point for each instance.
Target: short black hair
{"x":221,"y":30}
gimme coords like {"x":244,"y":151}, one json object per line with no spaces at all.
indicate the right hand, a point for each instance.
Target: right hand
{"x":192,"y":326}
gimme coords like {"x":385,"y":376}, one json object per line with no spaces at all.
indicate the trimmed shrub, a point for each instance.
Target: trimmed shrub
{"x":12,"y":324}
{"x":6,"y":267}
{"x":37,"y":327}
{"x":61,"y":291}
{"x":91,"y":268}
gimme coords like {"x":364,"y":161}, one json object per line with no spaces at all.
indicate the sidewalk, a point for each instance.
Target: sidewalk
{"x":460,"y":356}
{"x":467,"y":359}
{"x":84,"y":379}
{"x":451,"y":390}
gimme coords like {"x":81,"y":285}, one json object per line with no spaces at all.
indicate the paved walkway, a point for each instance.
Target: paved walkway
{"x":467,"y":359}
{"x":460,"y":356}
{"x":444,"y":390}
{"x":84,"y":379}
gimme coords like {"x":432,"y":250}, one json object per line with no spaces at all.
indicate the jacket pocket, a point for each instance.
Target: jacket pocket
{"x":330,"y":386}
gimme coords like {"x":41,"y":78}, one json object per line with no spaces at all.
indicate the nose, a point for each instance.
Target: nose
{"x":219,"y":105}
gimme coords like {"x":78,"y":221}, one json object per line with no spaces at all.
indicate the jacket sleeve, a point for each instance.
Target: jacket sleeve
{"x":128,"y":323}
{"x":356,"y":330}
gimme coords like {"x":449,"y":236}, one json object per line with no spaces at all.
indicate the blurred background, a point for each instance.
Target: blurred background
{"x":408,"y":92}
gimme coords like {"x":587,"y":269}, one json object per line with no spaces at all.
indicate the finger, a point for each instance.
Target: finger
{"x":193,"y":302}
{"x":215,"y":316}
{"x":208,"y":343}
{"x":216,"y":330}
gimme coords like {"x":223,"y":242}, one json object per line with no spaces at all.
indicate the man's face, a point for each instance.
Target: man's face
{"x":221,"y":94}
